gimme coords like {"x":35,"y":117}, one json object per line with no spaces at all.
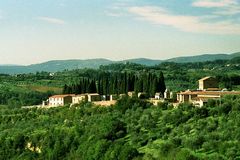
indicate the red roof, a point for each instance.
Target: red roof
{"x":210,"y":93}
{"x":62,"y":96}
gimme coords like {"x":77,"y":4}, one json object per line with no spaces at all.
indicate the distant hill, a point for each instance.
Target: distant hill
{"x":204,"y":58}
{"x":54,"y":66}
{"x":144,"y":61}
{"x":60,"y":65}
{"x":234,"y":55}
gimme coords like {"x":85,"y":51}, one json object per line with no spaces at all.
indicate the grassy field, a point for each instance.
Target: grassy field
{"x":40,"y":88}
{"x":24,"y":86}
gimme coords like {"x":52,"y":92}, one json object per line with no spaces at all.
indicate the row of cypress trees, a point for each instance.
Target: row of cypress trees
{"x":106,"y":83}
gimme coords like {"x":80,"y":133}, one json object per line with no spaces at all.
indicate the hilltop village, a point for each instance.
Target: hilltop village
{"x":208,"y":89}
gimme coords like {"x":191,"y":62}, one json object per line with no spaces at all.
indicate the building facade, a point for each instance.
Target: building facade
{"x":208,"y":89}
{"x":79,"y":98}
{"x":60,"y":100}
{"x":208,"y":83}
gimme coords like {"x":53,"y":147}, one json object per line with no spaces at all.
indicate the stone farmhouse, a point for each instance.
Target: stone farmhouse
{"x":208,"y":89}
{"x":60,"y":100}
{"x":208,"y":83}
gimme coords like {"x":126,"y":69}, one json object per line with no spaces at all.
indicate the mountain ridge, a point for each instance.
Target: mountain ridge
{"x":204,"y":58}
{"x":70,"y":64}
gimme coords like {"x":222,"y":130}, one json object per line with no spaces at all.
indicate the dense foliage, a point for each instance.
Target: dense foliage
{"x":105,"y":82}
{"x":132,"y":129}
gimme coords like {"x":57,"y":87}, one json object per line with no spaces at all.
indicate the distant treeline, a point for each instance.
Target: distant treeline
{"x":106,"y":83}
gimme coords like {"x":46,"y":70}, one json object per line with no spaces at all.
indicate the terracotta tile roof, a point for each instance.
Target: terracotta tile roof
{"x":210,"y":93}
{"x":62,"y":96}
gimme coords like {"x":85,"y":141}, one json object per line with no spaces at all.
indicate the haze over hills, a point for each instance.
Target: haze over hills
{"x":54,"y":66}
{"x":60,"y":65}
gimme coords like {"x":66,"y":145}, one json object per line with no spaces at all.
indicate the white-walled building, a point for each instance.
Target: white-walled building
{"x":167,"y":94}
{"x":60,"y":100}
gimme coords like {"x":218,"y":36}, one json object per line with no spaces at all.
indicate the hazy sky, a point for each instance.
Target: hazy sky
{"x":34,"y":31}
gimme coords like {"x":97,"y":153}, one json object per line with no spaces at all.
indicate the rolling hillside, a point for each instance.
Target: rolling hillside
{"x":54,"y":66}
{"x":60,"y":65}
{"x":204,"y":57}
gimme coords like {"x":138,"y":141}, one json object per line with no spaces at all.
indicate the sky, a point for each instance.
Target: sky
{"x":34,"y":31}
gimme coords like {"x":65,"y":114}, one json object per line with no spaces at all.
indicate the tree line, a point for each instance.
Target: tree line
{"x":106,"y":83}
